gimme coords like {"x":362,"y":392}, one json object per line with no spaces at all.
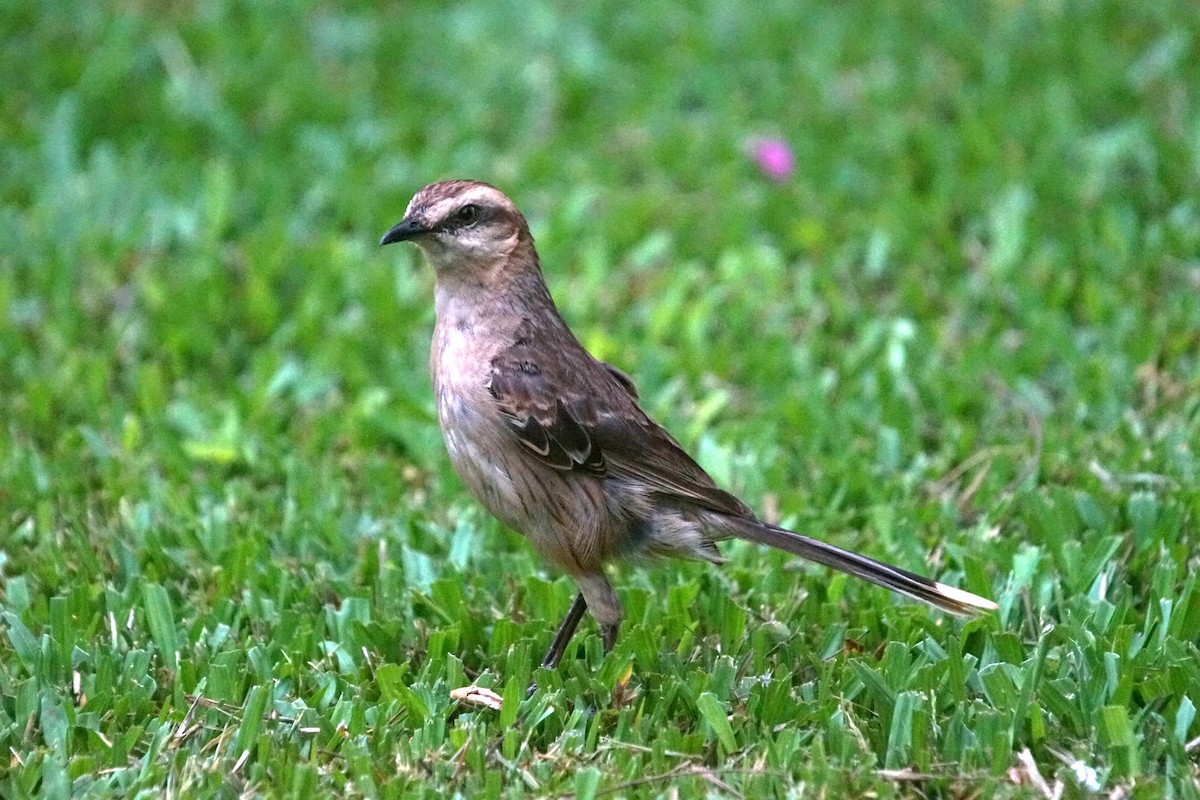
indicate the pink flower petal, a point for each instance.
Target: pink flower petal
{"x":774,"y":158}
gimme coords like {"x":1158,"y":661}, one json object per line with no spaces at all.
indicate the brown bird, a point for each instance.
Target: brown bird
{"x":553,"y":442}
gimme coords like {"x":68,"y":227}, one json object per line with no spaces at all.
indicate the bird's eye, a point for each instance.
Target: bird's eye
{"x":468,"y":214}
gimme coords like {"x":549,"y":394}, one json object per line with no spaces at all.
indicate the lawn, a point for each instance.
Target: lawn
{"x":962,"y":335}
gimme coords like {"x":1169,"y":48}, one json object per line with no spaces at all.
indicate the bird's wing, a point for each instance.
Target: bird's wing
{"x":622,"y":378}
{"x":581,"y":414}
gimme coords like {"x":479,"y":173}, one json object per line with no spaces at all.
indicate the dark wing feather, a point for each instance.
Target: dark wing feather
{"x":576,"y":413}
{"x":542,"y":421}
{"x":622,"y":378}
{"x":647,"y":452}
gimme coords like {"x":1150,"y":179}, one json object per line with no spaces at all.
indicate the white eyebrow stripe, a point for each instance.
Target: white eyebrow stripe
{"x":480,"y":195}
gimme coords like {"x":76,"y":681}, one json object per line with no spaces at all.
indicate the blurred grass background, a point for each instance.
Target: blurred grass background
{"x":962,"y":336}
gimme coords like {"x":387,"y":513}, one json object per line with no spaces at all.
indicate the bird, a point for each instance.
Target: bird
{"x":554,"y":442}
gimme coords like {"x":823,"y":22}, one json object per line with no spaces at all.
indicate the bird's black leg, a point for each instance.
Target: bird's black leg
{"x":561,"y":639}
{"x":565,"y":631}
{"x":609,"y":634}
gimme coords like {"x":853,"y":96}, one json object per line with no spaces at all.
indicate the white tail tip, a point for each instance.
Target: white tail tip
{"x":966,"y":598}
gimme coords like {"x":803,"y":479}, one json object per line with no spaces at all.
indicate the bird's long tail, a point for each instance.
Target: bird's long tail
{"x":901,"y":581}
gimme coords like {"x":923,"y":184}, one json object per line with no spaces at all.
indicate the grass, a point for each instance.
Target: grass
{"x":962,"y":337}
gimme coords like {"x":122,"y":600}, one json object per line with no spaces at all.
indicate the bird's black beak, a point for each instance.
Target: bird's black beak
{"x":403,"y":231}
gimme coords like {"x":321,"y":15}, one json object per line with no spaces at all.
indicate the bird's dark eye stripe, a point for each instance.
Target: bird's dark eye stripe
{"x":463,"y":217}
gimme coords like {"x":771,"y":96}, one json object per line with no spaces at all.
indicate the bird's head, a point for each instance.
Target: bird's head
{"x":463,"y":227}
